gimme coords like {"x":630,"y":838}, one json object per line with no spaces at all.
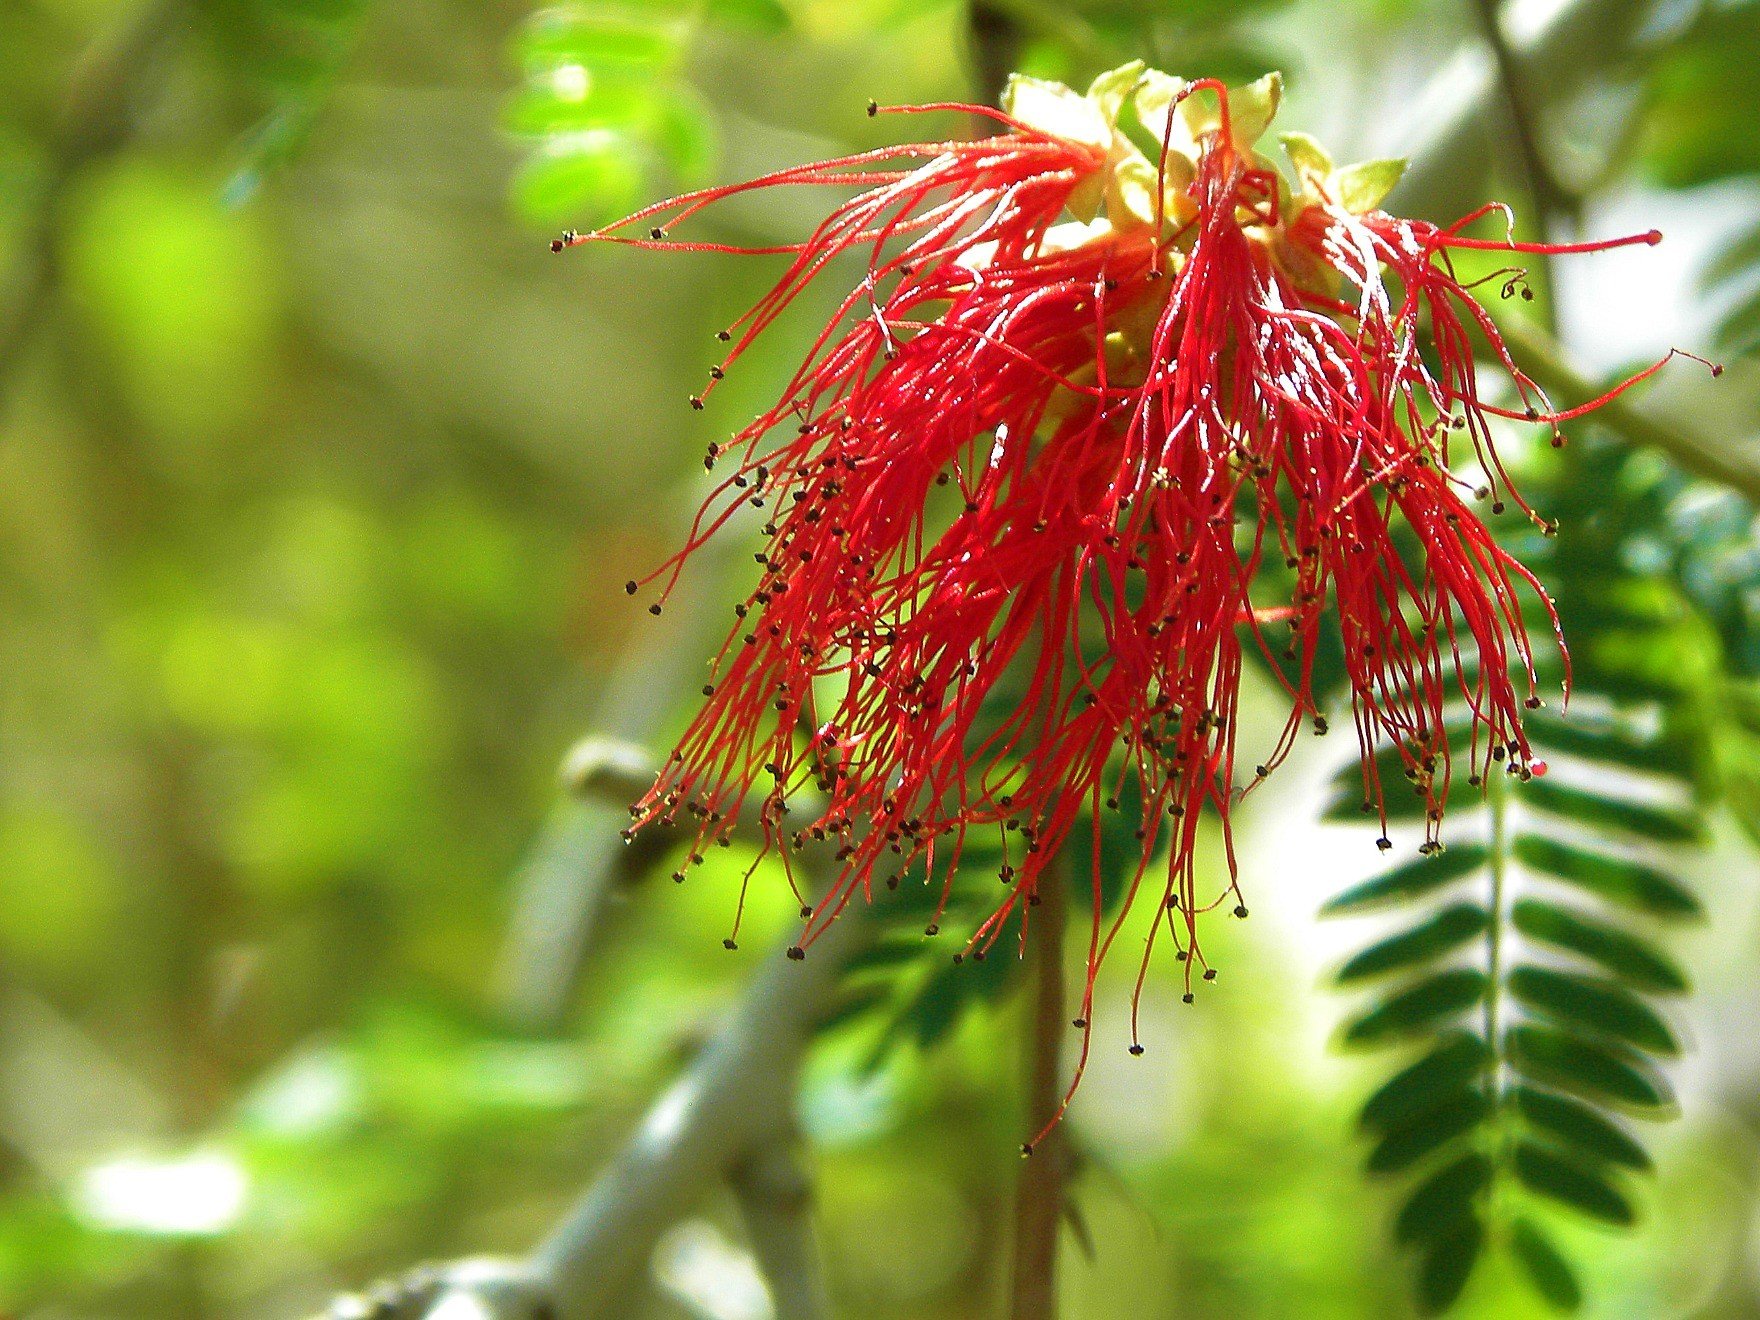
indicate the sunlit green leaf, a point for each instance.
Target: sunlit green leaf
{"x":1444,"y":1200}
{"x":586,"y":178}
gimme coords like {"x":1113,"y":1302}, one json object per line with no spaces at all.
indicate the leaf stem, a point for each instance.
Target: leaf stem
{"x":1038,"y":1206}
{"x":1496,"y":1066}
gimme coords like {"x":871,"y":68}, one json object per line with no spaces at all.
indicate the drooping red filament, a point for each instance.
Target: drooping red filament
{"x":1021,"y":495}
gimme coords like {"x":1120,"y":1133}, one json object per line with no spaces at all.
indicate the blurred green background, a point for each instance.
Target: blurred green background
{"x":319,"y":480}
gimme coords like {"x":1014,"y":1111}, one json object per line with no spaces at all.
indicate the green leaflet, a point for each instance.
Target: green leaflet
{"x":1552,"y":1175}
{"x":1428,"y":1131}
{"x":1575,"y":1124}
{"x":1630,"y":884}
{"x":1460,"y":1056}
{"x":1662,"y":824}
{"x":1546,"y":1268}
{"x":1595,"y":1006}
{"x":1635,"y":961}
{"x":1592,"y":1070}
{"x":1448,"y":1264}
{"x":1411,"y":880}
{"x":1418,"y":1006}
{"x":1425,"y":942}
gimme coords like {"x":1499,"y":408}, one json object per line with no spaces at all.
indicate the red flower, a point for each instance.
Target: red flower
{"x":1023,"y":492}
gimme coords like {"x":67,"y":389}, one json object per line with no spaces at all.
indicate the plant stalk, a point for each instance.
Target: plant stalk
{"x":1038,"y":1206}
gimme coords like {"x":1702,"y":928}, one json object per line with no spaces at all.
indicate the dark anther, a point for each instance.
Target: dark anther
{"x":1209,"y":973}
{"x":1240,"y":910}
{"x":629,"y":588}
{"x":1384,"y":843}
{"x":796,"y":953}
{"x":723,"y":336}
{"x":931,"y":929}
{"x":1080,"y":1024}
{"x":696,"y":403}
{"x":1188,"y":996}
{"x":654,"y":608}
{"x":1136,"y":1049}
{"x":873,"y":108}
{"x":729,"y":944}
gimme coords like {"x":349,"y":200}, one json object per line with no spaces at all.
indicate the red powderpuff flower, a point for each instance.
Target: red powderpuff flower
{"x":1023,"y":494}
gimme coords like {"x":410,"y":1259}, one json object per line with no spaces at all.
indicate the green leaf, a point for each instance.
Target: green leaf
{"x":1666,"y":754}
{"x":886,"y":954}
{"x":1580,"y":1127}
{"x":1547,"y":1173}
{"x":1311,"y":160}
{"x":581,"y":178}
{"x":1625,"y":955}
{"x":1418,"y":1006}
{"x":1663,"y":824}
{"x":1363,"y":187}
{"x":1546,"y":1268}
{"x":1428,"y":1131}
{"x":685,"y":134}
{"x":1632,"y":884}
{"x":1447,"y":1265}
{"x":1579,"y":1066}
{"x":1444,"y":1200}
{"x":547,"y":106}
{"x":1448,"y":1067}
{"x":1593,"y":1005}
{"x":1056,"y":110}
{"x":1110,"y":89}
{"x":854,"y":1003}
{"x":1411,"y":880}
{"x":766,"y":17}
{"x":563,"y":36}
{"x":1252,"y":108}
{"x":1425,"y":942}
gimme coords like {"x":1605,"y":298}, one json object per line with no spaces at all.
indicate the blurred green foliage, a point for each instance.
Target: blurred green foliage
{"x":319,"y":479}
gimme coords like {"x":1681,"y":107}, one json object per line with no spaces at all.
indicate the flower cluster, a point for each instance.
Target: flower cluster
{"x":1112,"y":400}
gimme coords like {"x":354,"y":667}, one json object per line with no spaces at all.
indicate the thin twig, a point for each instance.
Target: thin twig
{"x":96,"y":120}
{"x":1553,"y":202}
{"x":1735,"y":466}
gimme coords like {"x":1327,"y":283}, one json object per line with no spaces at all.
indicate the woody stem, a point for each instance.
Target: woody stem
{"x":1038,"y":1206}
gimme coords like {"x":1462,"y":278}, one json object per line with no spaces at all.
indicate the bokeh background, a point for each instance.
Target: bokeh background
{"x":319,"y":481}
